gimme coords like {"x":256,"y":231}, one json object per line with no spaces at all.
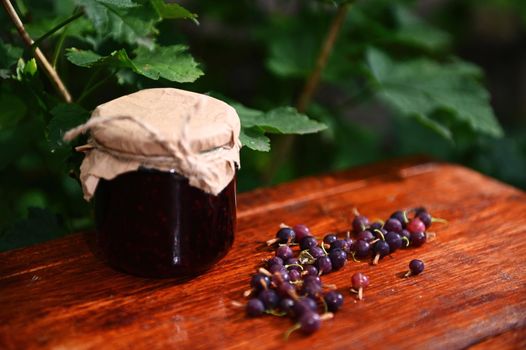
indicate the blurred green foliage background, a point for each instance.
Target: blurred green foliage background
{"x":437,"y":77}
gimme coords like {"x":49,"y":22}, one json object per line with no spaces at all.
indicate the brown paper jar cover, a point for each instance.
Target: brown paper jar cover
{"x":166,"y":129}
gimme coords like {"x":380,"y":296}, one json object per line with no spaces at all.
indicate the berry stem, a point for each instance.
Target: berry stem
{"x":353,"y":256}
{"x":380,"y":233}
{"x":406,"y":240}
{"x":360,"y":293}
{"x":298,"y":265}
{"x":290,"y":330}
{"x":265,"y":271}
{"x":443,"y":221}
{"x":376,"y":259}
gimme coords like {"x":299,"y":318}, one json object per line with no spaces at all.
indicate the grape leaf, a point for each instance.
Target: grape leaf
{"x":172,"y":11}
{"x":421,"y":88}
{"x":9,"y":55}
{"x":65,"y":117}
{"x":254,"y":138}
{"x":169,"y":62}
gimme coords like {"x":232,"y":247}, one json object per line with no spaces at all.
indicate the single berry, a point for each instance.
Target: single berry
{"x":394,"y":241}
{"x":309,"y":322}
{"x":269,"y":298}
{"x":295,"y":275}
{"x":329,"y":238}
{"x":366,"y":236}
{"x":351,"y":243}
{"x":419,"y":210}
{"x":393,"y":225}
{"x":415,"y":267}
{"x":285,"y":235}
{"x":418,"y":238}
{"x":259,"y":282}
{"x":275,"y":260}
{"x":286,"y":305}
{"x":301,"y":232}
{"x":324,"y":265}
{"x":255,"y":307}
{"x":276,"y":268}
{"x":416,"y":225}
{"x":284,"y":252}
{"x":316,"y":252}
{"x":381,"y":249}
{"x":308,"y":242}
{"x":400,"y":216}
{"x":304,"y":305}
{"x":338,"y":258}
{"x":359,"y":223}
{"x":334,"y":300}
{"x":285,"y":289}
{"x":359,"y":283}
{"x":340,"y":244}
{"x":310,"y":270}
{"x":363,"y":249}
{"x":311,"y":288}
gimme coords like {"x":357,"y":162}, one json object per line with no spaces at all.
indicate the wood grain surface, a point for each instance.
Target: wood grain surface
{"x":58,"y":295}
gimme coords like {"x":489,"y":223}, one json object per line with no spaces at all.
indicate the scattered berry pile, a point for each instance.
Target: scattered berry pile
{"x":289,"y":283}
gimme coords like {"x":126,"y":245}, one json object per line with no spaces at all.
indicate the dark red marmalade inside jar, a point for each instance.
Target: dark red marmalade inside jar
{"x":154,"y":224}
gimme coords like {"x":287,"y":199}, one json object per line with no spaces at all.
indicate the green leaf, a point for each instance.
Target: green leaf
{"x":13,"y":109}
{"x":129,"y":21}
{"x":281,"y":120}
{"x":421,"y":88}
{"x":254,"y":138}
{"x":40,"y":225}
{"x":65,"y":117}
{"x":172,"y":11}
{"x":9,"y":54}
{"x":414,"y":31}
{"x":171,"y":62}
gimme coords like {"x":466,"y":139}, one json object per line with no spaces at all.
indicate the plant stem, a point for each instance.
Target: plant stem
{"x":284,"y":147}
{"x":41,"y":59}
{"x":58,"y":47}
{"x":56,"y":28}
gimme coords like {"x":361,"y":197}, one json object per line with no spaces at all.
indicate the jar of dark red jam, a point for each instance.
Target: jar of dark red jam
{"x":161,"y":165}
{"x":164,"y":227}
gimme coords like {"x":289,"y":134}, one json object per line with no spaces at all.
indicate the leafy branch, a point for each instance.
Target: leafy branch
{"x":41,"y":58}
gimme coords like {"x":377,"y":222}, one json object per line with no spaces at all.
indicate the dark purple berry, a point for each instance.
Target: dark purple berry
{"x":418,"y":238}
{"x":309,"y":322}
{"x":304,"y":305}
{"x":359,"y":280}
{"x":351,"y":243}
{"x":394,"y":241}
{"x":285,"y":289}
{"x":260,"y":281}
{"x":359,"y":223}
{"x":338,"y":258}
{"x":301,"y":232}
{"x":324,"y":265}
{"x":334,"y":300}
{"x":363,"y":249}
{"x":407,"y":235}
{"x":393,"y":225}
{"x":276,"y":268}
{"x":416,"y":266}
{"x":275,"y":260}
{"x":310,"y":270}
{"x":285,"y":235}
{"x":286,"y":305}
{"x":292,"y":264}
{"x":284,"y":252}
{"x":366,"y":236}
{"x":311,"y":288}
{"x":269,"y":298}
{"x":316,"y":252}
{"x":400,"y":216}
{"x":419,"y":210}
{"x":255,"y":307}
{"x":379,"y":234}
{"x":426,"y":218}
{"x":340,"y":244}
{"x":329,"y":238}
{"x":295,"y":275}
{"x":280,"y":276}
{"x":381,"y":248}
{"x":308,"y":242}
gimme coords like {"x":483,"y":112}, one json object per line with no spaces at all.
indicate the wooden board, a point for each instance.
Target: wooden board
{"x":57,"y":295}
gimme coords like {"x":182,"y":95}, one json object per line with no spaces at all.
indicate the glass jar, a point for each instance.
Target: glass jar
{"x":161,"y":165}
{"x":164,"y":227}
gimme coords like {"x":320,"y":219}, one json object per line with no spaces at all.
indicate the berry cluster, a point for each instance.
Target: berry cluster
{"x":289,"y":283}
